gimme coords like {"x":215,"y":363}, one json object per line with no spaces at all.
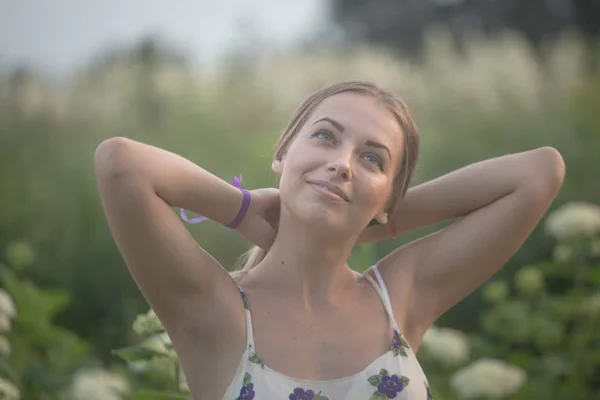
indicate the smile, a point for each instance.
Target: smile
{"x":329,"y":191}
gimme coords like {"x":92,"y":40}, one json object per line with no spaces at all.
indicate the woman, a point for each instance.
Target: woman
{"x":297,"y":322}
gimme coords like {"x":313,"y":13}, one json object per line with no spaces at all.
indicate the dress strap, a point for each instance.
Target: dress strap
{"x":382,"y":291}
{"x":249,"y":332}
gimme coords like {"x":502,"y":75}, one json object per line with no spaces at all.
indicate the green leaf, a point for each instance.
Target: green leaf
{"x":150,"y":394}
{"x":253,"y":358}
{"x":383,"y":372}
{"x":399,"y":351}
{"x":137,"y":353}
{"x":378,"y":396}
{"x":247,"y":379}
{"x":404,"y":380}
{"x":375,"y":380}
{"x":37,"y":307}
{"x":318,"y":396}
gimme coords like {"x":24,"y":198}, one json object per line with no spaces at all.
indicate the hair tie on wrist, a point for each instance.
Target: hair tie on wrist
{"x":237,"y":182}
{"x":243,"y":210}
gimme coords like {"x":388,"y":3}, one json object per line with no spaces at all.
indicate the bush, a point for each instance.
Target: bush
{"x":541,"y":329}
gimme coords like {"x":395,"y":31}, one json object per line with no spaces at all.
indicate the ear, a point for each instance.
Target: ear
{"x":277,"y":166}
{"x":382,"y":217}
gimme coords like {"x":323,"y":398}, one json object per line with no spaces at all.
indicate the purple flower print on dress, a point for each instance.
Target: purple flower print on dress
{"x":388,"y":386}
{"x":301,"y":394}
{"x":399,"y":344}
{"x":247,"y":391}
{"x":391,"y":385}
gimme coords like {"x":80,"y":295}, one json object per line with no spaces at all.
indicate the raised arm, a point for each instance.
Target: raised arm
{"x":138,"y":185}
{"x":499,"y":202}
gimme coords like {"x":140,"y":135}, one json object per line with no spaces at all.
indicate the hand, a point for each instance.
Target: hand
{"x":261,"y":222}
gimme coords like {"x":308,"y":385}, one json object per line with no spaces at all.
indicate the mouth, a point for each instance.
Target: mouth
{"x":331,"y":189}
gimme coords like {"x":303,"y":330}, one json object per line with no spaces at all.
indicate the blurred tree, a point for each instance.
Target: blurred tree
{"x":401,"y":23}
{"x":149,"y":50}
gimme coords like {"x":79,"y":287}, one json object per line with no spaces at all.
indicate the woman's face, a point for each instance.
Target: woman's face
{"x":340,"y":167}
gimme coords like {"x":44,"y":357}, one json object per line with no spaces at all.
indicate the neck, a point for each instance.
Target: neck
{"x":309,"y":261}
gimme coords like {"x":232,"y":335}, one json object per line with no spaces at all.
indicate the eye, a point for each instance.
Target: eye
{"x":324,"y":134}
{"x":373,"y":159}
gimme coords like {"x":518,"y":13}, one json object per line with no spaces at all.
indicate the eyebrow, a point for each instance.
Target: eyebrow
{"x":340,"y":128}
{"x":333,"y":122}
{"x":380,"y":146}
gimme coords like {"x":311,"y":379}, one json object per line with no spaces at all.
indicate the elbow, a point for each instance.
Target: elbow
{"x":553,"y":168}
{"x":111,"y":159}
{"x":546,"y":174}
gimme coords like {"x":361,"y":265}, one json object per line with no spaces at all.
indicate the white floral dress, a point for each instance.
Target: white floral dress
{"x":394,"y":375}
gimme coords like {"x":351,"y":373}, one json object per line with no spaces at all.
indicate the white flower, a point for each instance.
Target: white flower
{"x":165,"y":365}
{"x":8,"y":391}
{"x":137,"y":367}
{"x":448,"y":346}
{"x":7,"y":307}
{"x":147,"y":324}
{"x":4,"y":347}
{"x":98,"y":384}
{"x":164,"y":362}
{"x":573,"y":220}
{"x":160,"y":342}
{"x":487,"y":378}
{"x":5,"y":324}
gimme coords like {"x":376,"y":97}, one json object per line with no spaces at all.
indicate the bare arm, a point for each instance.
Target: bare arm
{"x":138,"y":184}
{"x":499,"y":202}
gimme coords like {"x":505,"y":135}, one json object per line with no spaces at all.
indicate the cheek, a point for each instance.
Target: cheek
{"x":298,"y":162}
{"x":376,"y":193}
{"x":291,"y":179}
{"x":286,"y":184}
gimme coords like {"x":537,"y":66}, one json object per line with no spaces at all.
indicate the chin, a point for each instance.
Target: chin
{"x":315,"y":212}
{"x":322,"y":217}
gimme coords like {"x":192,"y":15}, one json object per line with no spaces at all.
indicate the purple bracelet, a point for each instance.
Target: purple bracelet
{"x":243,"y":210}
{"x":237,"y":182}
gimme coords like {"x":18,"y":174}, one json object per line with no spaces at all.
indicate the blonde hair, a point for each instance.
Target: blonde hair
{"x":395,"y":104}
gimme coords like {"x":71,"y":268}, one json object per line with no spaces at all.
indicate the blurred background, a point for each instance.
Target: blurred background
{"x":216,"y":83}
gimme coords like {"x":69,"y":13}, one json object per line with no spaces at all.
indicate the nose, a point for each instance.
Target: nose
{"x":341,"y":166}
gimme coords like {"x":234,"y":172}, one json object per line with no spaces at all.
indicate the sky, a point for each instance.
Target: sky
{"x":62,"y":35}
